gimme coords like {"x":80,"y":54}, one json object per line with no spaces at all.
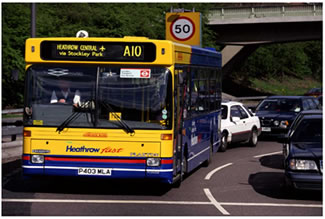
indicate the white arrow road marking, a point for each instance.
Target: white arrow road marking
{"x":216,"y":170}
{"x":215,"y":203}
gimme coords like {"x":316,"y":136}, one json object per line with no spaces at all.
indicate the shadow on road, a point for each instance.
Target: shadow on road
{"x":273,"y":161}
{"x":70,"y":185}
{"x":272,"y":184}
{"x":12,"y":180}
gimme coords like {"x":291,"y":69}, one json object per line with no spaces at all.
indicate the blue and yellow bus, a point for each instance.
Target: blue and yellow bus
{"x":120,"y":108}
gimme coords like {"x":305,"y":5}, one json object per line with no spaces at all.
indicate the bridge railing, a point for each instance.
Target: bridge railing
{"x":266,"y":11}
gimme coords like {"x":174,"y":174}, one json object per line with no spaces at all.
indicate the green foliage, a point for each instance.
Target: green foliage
{"x":15,"y":30}
{"x":277,"y":60}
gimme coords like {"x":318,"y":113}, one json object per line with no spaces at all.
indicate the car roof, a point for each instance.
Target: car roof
{"x":230,"y":102}
{"x":312,"y":112}
{"x":313,"y":116}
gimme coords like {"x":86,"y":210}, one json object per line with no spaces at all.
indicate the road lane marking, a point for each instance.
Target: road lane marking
{"x":160,"y":202}
{"x":262,"y":155}
{"x":209,"y":175}
{"x":271,"y":204}
{"x":108,"y":201}
{"x":215,"y":203}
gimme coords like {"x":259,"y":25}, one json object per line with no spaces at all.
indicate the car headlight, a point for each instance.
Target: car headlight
{"x":36,"y":158}
{"x":284,"y":124}
{"x":153,"y":162}
{"x":297,"y":164}
{"x":276,"y":122}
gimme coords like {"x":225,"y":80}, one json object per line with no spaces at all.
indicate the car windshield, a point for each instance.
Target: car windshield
{"x":99,"y":96}
{"x":309,"y":130}
{"x":280,"y":105}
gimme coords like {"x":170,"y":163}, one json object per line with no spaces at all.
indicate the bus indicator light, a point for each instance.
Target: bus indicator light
{"x":166,"y":136}
{"x":27,"y":133}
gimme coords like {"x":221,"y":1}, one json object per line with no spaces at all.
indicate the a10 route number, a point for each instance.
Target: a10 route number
{"x":182,"y":28}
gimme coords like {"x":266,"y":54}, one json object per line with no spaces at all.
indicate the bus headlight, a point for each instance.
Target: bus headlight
{"x":153,"y":162}
{"x":36,"y":158}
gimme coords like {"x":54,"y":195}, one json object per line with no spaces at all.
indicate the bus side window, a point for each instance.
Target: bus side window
{"x":194,"y":91}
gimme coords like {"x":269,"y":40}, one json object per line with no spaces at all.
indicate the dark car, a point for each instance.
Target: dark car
{"x":303,"y":152}
{"x":314,"y":92}
{"x":276,"y":113}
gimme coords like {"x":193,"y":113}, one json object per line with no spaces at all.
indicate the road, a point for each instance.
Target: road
{"x":243,"y":181}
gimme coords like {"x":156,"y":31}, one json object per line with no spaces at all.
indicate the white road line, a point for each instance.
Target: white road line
{"x":214,"y":202}
{"x":209,"y":175}
{"x":107,"y":201}
{"x":271,"y":204}
{"x":160,"y":202}
{"x":262,"y":155}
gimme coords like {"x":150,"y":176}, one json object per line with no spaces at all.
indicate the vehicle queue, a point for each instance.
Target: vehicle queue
{"x":294,"y":121}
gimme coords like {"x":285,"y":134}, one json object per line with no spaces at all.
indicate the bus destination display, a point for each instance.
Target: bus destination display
{"x":98,"y":51}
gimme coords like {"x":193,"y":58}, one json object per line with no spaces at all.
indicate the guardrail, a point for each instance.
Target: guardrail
{"x":287,"y":10}
{"x":12,"y":131}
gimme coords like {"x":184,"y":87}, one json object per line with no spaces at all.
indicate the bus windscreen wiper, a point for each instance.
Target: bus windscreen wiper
{"x":125,"y":126}
{"x":74,"y":115}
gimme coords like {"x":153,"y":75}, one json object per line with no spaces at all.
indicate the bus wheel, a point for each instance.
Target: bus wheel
{"x":209,"y":160}
{"x":224,"y":143}
{"x":182,"y":175}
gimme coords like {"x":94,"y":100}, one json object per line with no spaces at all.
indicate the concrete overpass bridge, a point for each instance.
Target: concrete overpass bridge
{"x":241,"y":30}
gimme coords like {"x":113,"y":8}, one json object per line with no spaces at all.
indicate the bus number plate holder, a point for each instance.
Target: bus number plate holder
{"x":95,"y":171}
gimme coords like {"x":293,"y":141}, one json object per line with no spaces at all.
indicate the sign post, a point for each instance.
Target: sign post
{"x":184,"y":27}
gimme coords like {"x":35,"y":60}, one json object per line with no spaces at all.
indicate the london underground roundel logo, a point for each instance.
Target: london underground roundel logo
{"x":182,"y":28}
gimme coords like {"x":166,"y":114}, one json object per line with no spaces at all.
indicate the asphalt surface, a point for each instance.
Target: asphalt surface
{"x":243,"y":181}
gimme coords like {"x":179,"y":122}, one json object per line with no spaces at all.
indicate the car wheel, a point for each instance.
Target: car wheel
{"x":253,"y":140}
{"x":224,"y":143}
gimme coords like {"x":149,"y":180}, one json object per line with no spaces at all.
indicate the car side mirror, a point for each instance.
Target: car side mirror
{"x":235,"y":119}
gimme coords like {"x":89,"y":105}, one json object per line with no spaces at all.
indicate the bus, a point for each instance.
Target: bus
{"x":140,"y":109}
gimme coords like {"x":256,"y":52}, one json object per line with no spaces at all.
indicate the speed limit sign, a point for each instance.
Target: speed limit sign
{"x":184,"y":27}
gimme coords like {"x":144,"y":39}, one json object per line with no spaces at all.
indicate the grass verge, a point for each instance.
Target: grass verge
{"x":286,"y":86}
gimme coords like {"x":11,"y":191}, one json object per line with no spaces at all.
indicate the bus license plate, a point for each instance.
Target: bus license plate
{"x":266,"y":129}
{"x":95,"y":171}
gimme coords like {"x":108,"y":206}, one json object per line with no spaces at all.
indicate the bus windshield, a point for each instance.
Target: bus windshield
{"x":98,"y":96}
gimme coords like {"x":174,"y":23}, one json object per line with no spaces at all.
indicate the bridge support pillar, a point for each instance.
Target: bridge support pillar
{"x":234,"y":55}
{"x":229,"y":52}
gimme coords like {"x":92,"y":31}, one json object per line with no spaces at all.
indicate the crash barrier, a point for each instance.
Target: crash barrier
{"x":12,"y":130}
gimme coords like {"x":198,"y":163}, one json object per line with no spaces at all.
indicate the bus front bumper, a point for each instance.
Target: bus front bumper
{"x":103,"y":167}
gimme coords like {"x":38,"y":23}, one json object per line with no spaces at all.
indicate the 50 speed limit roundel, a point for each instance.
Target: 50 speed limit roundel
{"x":182,"y":28}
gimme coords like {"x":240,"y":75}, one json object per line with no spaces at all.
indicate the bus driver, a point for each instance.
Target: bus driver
{"x":65,"y":95}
